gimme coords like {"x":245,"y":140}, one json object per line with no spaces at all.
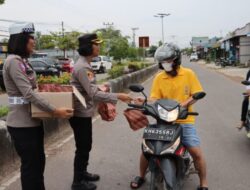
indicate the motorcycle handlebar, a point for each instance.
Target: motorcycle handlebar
{"x":136,"y":106}
{"x":193,"y":113}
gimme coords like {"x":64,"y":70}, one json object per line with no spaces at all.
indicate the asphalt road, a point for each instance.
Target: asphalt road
{"x":116,"y":148}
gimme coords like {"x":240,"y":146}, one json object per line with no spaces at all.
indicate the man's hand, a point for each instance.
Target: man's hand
{"x":247,"y":93}
{"x":190,"y":101}
{"x":139,"y":100}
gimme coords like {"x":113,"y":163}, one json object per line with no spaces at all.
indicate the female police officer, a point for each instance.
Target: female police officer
{"x":26,"y":132}
{"x":83,"y":79}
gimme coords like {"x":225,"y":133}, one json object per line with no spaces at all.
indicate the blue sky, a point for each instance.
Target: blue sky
{"x":188,"y":17}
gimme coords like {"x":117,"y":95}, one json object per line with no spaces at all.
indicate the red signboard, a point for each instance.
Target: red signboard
{"x":143,"y":41}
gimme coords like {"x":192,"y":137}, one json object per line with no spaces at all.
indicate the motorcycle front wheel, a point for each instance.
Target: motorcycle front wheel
{"x":157,"y":182}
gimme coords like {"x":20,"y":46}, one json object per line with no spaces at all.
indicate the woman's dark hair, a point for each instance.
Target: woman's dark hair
{"x":18,"y":44}
{"x":85,"y":49}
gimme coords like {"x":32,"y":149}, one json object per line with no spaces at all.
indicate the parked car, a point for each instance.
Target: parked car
{"x":39,"y":55}
{"x":101,"y":64}
{"x":1,"y":76}
{"x":45,"y":66}
{"x":194,"y":57}
{"x":66,"y":64}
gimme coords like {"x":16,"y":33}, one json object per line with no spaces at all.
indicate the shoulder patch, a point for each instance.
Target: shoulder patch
{"x":22,"y":67}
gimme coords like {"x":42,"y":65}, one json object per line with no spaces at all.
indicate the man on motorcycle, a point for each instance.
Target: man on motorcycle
{"x":245,"y":103}
{"x":177,"y":83}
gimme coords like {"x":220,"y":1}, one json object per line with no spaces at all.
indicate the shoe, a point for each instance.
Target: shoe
{"x":91,"y":177}
{"x":83,"y":185}
{"x":202,"y":188}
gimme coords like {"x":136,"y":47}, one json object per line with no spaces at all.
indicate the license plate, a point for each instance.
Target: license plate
{"x":158,"y":134}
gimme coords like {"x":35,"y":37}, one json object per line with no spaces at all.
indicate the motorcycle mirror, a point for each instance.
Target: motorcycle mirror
{"x":199,"y":95}
{"x":136,"y":87}
{"x":245,"y":82}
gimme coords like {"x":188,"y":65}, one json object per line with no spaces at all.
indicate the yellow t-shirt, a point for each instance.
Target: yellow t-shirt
{"x":178,"y":88}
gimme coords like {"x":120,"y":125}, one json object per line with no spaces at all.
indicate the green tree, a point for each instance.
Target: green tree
{"x":141,"y":52}
{"x":188,"y":51}
{"x":46,"y":42}
{"x":115,"y":44}
{"x":119,"y":48}
{"x":4,"y":40}
{"x":152,"y":50}
{"x":68,"y":41}
{"x":1,"y":2}
{"x":160,"y":43}
{"x":132,"y":53}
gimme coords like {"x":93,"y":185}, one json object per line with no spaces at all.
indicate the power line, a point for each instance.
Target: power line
{"x":38,"y":23}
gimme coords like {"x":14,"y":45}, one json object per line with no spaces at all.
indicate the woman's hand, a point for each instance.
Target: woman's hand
{"x":64,"y":113}
{"x":124,"y":97}
{"x":139,"y":100}
{"x":247,"y":93}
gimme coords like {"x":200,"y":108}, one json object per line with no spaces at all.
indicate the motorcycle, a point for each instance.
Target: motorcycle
{"x":247,"y":123}
{"x":169,"y":160}
{"x":223,"y":62}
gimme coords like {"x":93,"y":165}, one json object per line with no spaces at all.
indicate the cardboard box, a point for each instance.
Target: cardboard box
{"x":58,"y":99}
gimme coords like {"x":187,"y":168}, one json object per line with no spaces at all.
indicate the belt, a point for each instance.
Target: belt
{"x":17,"y":100}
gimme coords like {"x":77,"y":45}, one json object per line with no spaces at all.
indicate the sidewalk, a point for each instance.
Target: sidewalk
{"x":236,"y":72}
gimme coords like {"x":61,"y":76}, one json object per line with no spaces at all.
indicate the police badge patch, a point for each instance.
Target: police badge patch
{"x":22,"y":67}
{"x":27,"y":71}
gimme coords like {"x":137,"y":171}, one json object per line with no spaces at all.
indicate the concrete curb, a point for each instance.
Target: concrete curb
{"x":55,"y":126}
{"x":121,"y":83}
{"x":7,"y":149}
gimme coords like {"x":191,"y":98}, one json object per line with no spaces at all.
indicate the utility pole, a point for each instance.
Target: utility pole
{"x":64,"y":52}
{"x":62,"y":29}
{"x":162,"y":15}
{"x":134,"y":29}
{"x":108,"y":25}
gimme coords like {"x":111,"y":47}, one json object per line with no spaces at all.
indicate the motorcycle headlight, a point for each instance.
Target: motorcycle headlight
{"x":168,"y":116}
